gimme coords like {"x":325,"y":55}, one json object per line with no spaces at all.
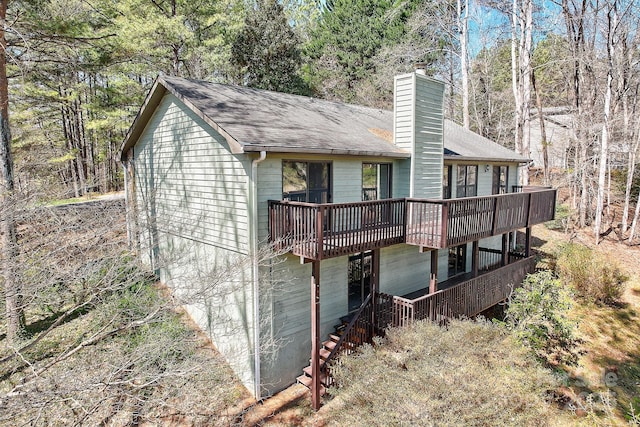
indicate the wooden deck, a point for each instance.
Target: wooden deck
{"x":444,"y":223}
{"x":320,"y":231}
{"x":465,"y":298}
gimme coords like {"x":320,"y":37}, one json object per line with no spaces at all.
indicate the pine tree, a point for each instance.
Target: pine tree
{"x":266,"y":51}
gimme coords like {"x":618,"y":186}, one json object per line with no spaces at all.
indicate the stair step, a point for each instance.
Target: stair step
{"x":333,"y":337}
{"x":324,"y":353}
{"x":306,"y":381}
{"x":329,"y":344}
{"x":323,"y":376}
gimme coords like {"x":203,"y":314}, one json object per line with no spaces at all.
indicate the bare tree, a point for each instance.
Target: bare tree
{"x":15,"y":315}
{"x":543,"y":131}
{"x":634,"y":223}
{"x":612,"y":23}
{"x":521,"y":69}
{"x":462,"y":10}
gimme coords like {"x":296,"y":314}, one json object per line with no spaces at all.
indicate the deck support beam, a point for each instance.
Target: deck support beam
{"x":315,"y":335}
{"x":375,"y":286}
{"x":475,"y":249}
{"x":433,"y":279}
{"x":505,"y":250}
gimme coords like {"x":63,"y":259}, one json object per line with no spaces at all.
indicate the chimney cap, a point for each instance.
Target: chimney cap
{"x":420,"y":68}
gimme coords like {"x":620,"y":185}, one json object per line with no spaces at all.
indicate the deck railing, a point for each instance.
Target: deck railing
{"x":360,"y":330}
{"x":468,"y":298}
{"x":490,"y":259}
{"x":318,"y":231}
{"x":444,"y":223}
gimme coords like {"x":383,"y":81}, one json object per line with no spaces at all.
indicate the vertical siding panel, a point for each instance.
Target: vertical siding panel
{"x":419,"y":128}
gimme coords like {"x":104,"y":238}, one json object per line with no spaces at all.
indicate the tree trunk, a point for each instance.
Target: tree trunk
{"x":612,"y":22}
{"x":635,"y":219}
{"x":543,"y":131}
{"x":12,"y":294}
{"x":604,"y":149}
{"x":463,"y":34}
{"x":521,"y":45}
{"x":517,"y":95}
{"x":631,"y":168}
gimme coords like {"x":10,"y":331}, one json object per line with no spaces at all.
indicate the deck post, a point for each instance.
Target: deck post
{"x":505,"y":250}
{"x":433,"y":276}
{"x":315,"y":335}
{"x":444,"y":239}
{"x":476,"y":254}
{"x":375,"y":286}
{"x":527,"y":243}
{"x":319,"y":232}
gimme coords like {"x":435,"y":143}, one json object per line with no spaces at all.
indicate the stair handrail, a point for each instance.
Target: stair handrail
{"x":346,"y":331}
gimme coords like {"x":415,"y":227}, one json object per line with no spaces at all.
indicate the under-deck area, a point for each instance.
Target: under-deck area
{"x":463,"y":295}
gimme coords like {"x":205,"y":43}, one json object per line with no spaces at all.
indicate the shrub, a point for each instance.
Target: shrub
{"x":537,"y":314}
{"x":594,"y":277}
{"x":561,"y":219}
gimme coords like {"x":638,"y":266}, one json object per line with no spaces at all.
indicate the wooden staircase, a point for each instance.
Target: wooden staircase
{"x":354,"y":330}
{"x":325,"y":351}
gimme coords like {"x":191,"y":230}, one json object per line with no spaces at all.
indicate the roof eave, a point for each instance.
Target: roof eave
{"x":142,"y":118}
{"x":486,"y":159}
{"x":158,"y":90}
{"x":330,"y":151}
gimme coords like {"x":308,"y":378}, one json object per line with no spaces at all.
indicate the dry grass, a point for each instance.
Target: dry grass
{"x":138,"y":361}
{"x":611,"y":363}
{"x":471,"y":373}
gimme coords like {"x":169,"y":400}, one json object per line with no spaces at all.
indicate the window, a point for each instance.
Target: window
{"x":306,"y":181}
{"x":467,"y":183}
{"x":376,"y":181}
{"x":446,"y":182}
{"x":500,"y":180}
{"x":457,"y":260}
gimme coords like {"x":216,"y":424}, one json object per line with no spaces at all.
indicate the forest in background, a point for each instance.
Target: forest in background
{"x":79,"y":70}
{"x":73,"y":75}
{"x":89,"y":339}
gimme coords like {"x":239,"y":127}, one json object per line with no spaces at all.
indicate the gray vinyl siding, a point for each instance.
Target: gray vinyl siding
{"x":199,"y":190}
{"x":288,"y":314}
{"x":485,"y":179}
{"x":401,"y":178}
{"x":192,"y":198}
{"x":429,"y":131}
{"x":403,"y":269}
{"x":403,"y":112}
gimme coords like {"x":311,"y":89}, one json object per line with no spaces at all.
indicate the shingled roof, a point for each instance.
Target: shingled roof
{"x":258,"y":120}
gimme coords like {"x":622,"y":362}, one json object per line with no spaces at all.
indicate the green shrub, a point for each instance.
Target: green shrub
{"x":561,"y":217}
{"x":537,"y":314}
{"x":594,"y":277}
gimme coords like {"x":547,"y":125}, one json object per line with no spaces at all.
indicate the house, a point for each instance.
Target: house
{"x":560,"y":124}
{"x":385,"y":217}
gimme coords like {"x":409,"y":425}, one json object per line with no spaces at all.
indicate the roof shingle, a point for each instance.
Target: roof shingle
{"x":260,"y":120}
